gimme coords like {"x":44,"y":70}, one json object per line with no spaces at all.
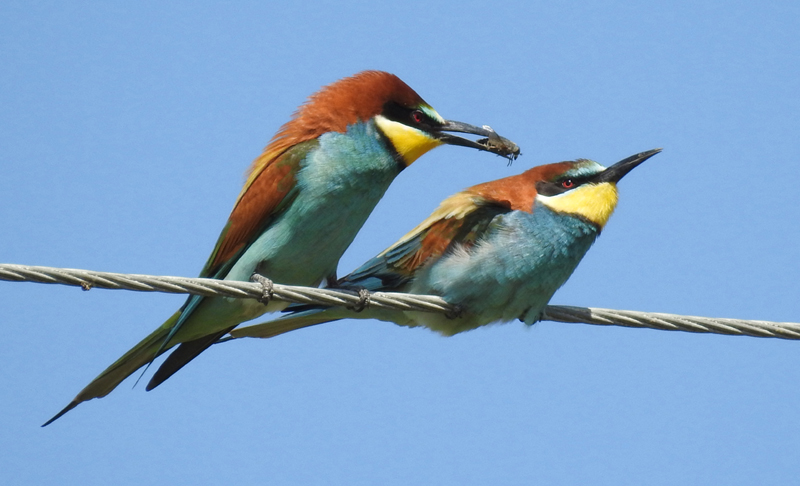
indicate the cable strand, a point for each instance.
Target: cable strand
{"x":87,"y":279}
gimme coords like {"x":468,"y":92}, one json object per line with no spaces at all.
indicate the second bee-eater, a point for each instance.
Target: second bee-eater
{"x":498,"y":251}
{"x":317,"y":181}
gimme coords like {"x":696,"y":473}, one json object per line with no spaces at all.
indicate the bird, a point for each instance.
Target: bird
{"x":317,"y":180}
{"x":497,"y":251}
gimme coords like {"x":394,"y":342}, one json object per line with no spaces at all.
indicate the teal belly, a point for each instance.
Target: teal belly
{"x":512,"y":273}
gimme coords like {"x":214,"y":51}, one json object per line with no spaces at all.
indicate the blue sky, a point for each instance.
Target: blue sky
{"x":125,"y":133}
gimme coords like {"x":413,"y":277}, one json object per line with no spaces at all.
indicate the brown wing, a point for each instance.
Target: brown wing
{"x":460,"y":219}
{"x":265,"y":195}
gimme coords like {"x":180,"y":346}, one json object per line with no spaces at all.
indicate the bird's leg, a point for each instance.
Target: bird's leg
{"x":455,"y":313}
{"x":330,"y":281}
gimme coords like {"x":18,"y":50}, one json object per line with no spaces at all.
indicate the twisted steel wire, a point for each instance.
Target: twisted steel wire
{"x":87,"y":279}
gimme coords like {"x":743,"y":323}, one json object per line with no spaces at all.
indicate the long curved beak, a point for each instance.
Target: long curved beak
{"x":492,"y":143}
{"x":618,"y":170}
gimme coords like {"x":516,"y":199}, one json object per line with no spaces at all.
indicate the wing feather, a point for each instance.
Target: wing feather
{"x":460,"y":219}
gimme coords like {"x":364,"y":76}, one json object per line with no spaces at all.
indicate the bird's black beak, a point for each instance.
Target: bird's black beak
{"x":492,"y":143}
{"x":618,"y":170}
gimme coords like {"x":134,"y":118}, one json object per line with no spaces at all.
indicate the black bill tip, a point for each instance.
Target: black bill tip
{"x":621,"y":168}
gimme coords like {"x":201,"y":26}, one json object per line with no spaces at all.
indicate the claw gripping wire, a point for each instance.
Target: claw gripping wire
{"x":267,"y":287}
{"x":363,"y":303}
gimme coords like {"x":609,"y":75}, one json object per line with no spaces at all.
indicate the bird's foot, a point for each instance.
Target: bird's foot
{"x":266,"y":287}
{"x":363,"y":303}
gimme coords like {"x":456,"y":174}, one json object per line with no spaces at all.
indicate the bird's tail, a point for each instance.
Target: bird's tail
{"x":291,"y":322}
{"x":140,"y":355}
{"x":179,"y":358}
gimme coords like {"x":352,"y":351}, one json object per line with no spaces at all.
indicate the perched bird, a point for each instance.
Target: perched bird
{"x":317,"y":181}
{"x":498,"y":251}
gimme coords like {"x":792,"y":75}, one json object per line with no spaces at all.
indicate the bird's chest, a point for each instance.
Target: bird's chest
{"x":338,"y":186}
{"x":337,"y":190}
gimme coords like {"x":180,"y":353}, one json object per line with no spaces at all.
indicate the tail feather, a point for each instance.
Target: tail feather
{"x":138,"y":356}
{"x":179,"y":358}
{"x":291,"y":322}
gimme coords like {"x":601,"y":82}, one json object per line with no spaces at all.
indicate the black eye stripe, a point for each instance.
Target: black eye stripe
{"x":408,"y":116}
{"x":560,"y":186}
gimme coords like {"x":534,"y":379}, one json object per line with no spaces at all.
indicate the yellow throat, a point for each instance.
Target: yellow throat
{"x":409,"y":142}
{"x":594,"y":202}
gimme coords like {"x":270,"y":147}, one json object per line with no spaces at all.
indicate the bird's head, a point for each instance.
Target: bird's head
{"x":584,"y":188}
{"x":410,"y":124}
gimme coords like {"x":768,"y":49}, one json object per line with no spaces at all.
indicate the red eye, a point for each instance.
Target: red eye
{"x":417,"y":116}
{"x":568,"y":184}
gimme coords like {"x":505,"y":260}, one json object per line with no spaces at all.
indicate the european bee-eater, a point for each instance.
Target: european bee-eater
{"x":318,"y":180}
{"x":498,"y":251}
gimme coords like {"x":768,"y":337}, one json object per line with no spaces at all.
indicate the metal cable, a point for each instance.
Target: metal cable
{"x":381,"y":300}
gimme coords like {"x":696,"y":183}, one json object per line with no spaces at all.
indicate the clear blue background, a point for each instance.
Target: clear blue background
{"x":124,"y":135}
